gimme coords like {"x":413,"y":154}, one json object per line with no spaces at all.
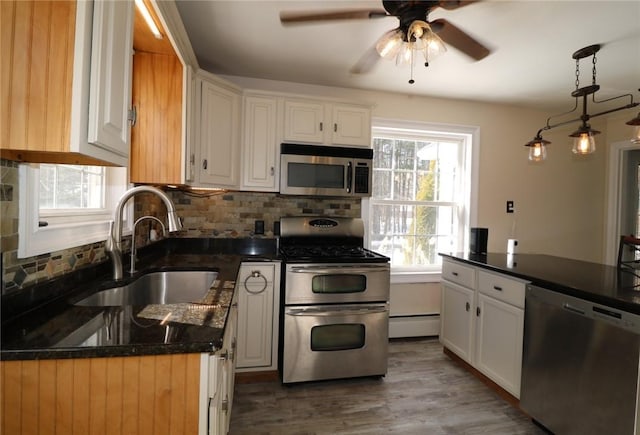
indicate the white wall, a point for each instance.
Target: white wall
{"x":559,"y":204}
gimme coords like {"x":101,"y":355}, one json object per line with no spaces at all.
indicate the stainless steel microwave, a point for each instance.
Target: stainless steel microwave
{"x":318,"y":170}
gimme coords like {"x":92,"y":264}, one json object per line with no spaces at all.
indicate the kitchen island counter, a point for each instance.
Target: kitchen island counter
{"x":603,"y":284}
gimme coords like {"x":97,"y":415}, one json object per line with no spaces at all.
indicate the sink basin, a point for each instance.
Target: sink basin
{"x":169,"y":287}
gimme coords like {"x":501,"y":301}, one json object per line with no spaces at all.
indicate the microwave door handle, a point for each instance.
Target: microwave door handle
{"x":349,"y":176}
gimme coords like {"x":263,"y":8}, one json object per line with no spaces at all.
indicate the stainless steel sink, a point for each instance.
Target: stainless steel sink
{"x":169,"y":287}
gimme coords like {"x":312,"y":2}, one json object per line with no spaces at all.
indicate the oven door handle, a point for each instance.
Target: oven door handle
{"x":324,"y":312}
{"x":341,"y":269}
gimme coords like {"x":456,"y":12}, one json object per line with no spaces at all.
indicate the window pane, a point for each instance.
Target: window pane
{"x":383,"y":152}
{"x":411,"y":167}
{"x":72,"y":187}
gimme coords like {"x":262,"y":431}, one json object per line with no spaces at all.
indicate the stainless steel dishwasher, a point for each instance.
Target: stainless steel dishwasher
{"x":580,"y":365}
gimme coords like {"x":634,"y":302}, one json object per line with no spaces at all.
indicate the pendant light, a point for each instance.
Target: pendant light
{"x":636,"y":131}
{"x":584,"y":137}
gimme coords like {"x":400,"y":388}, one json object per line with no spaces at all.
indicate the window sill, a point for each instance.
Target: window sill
{"x":415,"y":277}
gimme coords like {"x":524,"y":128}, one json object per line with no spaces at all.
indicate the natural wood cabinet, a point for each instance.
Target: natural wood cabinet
{"x":157,"y":135}
{"x":120,"y":395}
{"x":66,"y":81}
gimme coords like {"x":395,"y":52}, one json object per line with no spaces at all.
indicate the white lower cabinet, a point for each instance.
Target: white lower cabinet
{"x":499,"y":342}
{"x":217,"y":373}
{"x":482,"y":321}
{"x":457,"y":320}
{"x":258,"y":296}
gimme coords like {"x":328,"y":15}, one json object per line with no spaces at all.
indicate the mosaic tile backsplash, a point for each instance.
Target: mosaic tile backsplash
{"x":228,"y":214}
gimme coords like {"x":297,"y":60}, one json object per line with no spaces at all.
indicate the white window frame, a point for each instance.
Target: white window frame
{"x":66,"y":228}
{"x":469,"y":185}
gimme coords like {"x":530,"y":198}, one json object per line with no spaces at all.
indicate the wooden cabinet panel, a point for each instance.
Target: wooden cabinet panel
{"x":156,"y":138}
{"x":37,"y":72}
{"x":122,"y":395}
{"x":48,"y":54}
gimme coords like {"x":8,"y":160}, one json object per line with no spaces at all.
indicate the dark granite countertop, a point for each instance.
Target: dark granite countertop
{"x":603,"y":284}
{"x":42,"y":328}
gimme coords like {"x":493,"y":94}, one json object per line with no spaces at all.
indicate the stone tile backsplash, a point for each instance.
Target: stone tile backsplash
{"x":204,"y":214}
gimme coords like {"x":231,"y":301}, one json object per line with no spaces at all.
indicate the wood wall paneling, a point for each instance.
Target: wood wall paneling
{"x":122,"y":395}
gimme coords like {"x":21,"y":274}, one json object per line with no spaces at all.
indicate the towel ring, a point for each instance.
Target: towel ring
{"x":256,"y":274}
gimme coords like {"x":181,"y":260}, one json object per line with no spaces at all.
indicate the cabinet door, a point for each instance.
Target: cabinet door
{"x":304,"y":122}
{"x":457,"y":320}
{"x":499,"y":342}
{"x":260,"y":144}
{"x":111,"y":69}
{"x":157,"y":136}
{"x":255,"y":317}
{"x":351,"y":125}
{"x":218,"y":138}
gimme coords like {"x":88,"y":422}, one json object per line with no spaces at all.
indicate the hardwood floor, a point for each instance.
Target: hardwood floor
{"x":424,"y":392}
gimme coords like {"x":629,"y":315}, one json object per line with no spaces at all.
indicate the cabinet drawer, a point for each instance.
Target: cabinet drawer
{"x":458,"y":273}
{"x":247,"y":272}
{"x":506,"y":289}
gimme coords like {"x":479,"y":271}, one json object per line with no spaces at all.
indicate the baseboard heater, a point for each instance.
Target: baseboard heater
{"x":414,"y":326}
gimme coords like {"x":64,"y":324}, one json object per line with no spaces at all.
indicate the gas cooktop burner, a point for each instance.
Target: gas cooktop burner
{"x":338,"y":253}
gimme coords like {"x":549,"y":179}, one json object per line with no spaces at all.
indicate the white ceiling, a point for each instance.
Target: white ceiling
{"x":531,"y":42}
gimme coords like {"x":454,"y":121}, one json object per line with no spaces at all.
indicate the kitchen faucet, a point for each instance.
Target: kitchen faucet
{"x":134,"y":251}
{"x":113,"y":245}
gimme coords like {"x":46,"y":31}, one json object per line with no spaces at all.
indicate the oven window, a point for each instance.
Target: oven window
{"x":339,"y":283}
{"x":315,"y":175}
{"x":337,"y":337}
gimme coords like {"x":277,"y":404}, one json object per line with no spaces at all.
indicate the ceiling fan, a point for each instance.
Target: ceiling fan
{"x":414,"y":33}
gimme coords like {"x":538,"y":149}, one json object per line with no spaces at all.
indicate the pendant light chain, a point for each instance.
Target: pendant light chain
{"x":577,"y":74}
{"x":594,"y":68}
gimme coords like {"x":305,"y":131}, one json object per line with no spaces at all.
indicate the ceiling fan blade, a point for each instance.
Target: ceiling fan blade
{"x":453,"y":35}
{"x":455,"y":4}
{"x":310,"y":17}
{"x":366,"y":63}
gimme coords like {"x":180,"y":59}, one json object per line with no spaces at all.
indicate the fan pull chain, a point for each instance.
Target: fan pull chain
{"x":411,"y":80}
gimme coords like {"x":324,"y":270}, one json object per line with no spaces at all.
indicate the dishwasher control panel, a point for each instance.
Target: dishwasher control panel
{"x":581,"y":307}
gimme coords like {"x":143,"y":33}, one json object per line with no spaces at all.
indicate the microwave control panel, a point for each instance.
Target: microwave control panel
{"x":361,"y":179}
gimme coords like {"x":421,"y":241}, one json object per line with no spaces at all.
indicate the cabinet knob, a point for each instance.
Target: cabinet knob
{"x":335,"y":128}
{"x":467,"y":306}
{"x":272,"y":171}
{"x":321,"y":126}
{"x":477,"y":311}
{"x":204,"y":164}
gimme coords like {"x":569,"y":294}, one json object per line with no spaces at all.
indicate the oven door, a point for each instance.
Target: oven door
{"x":332,"y":342}
{"x":336,"y":283}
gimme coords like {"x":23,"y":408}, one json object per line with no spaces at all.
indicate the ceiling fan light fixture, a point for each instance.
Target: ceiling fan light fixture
{"x":390,"y":44}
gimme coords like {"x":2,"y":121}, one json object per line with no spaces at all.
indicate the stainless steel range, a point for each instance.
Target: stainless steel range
{"x":335,"y":294}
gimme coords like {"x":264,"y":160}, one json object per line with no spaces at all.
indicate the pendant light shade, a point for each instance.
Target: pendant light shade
{"x":537,"y":149}
{"x":636,"y":131}
{"x":583,"y":140}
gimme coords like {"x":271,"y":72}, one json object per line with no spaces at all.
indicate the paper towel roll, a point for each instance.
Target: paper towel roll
{"x":512,"y":246}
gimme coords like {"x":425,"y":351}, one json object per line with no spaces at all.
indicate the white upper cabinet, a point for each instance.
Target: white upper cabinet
{"x":217,"y":129}
{"x":329,"y":123}
{"x":351,"y":125}
{"x":111,"y":71}
{"x":260,"y":143}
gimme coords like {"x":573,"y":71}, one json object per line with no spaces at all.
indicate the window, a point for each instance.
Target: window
{"x":421,"y":198}
{"x":62,"y":206}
